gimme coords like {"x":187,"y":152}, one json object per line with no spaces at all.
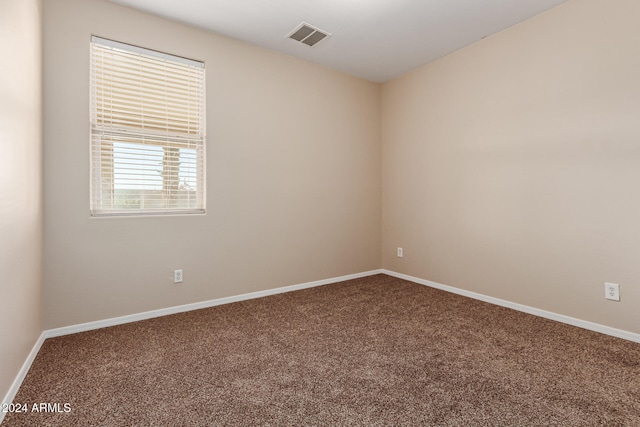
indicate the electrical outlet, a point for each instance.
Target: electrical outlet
{"x":612,"y":291}
{"x":400,"y":253}
{"x":177,"y":276}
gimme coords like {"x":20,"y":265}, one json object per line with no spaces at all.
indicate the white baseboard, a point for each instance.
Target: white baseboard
{"x":67,"y":330}
{"x":618,"y":333}
{"x":17,"y":382}
{"x":50,"y":333}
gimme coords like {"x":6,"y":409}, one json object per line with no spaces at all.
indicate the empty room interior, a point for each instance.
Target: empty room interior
{"x":497,"y":176}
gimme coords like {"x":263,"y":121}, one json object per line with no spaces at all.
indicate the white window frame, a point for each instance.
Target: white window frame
{"x":147,"y":132}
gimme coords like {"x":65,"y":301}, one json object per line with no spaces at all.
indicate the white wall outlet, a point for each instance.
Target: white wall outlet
{"x":177,"y":276}
{"x":400,"y":253}
{"x":612,"y":291}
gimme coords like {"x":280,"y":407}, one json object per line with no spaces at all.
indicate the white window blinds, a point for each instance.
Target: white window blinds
{"x":147,"y":131}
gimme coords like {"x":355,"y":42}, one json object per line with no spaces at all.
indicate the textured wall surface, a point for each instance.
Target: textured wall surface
{"x":510,"y":168}
{"x":293,"y":175}
{"x":20,"y":184}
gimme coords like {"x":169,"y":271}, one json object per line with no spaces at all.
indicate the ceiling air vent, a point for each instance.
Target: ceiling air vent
{"x":308,"y":34}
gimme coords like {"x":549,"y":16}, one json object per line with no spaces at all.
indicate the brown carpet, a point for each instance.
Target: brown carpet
{"x":376,"y":351}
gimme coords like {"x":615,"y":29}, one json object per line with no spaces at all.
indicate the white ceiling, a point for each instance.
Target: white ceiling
{"x":373,"y":39}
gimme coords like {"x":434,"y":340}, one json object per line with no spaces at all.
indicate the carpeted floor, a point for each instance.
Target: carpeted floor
{"x":376,"y":351}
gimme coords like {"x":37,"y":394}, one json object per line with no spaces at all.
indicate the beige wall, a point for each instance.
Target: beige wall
{"x":20,"y":184}
{"x":512,"y":167}
{"x":508,"y":169}
{"x":293,"y":184}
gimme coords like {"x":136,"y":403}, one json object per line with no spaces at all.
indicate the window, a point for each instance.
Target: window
{"x":147,"y":131}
